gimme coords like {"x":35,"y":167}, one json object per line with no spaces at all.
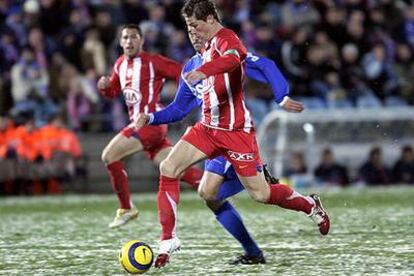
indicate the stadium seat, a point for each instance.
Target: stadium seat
{"x":395,"y":101}
{"x":312,"y":102}
{"x":340,"y":104}
{"x":369,"y":101}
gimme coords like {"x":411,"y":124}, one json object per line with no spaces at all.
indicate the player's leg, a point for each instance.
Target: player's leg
{"x":225,"y":212}
{"x":119,"y":147}
{"x":182,"y":156}
{"x":285,"y":197}
{"x":243,"y":154}
{"x":193,"y":147}
{"x":192,"y":175}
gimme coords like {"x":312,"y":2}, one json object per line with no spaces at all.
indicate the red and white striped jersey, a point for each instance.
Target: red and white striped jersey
{"x":140,"y":79}
{"x":223,"y":97}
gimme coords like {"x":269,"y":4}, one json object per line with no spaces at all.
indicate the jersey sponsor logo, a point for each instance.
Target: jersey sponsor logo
{"x":238,"y":156}
{"x":132,"y":96}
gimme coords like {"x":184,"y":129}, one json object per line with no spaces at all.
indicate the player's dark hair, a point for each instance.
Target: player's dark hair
{"x":132,"y":26}
{"x":200,"y":9}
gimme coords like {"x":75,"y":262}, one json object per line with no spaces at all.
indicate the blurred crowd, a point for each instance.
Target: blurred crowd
{"x":335,"y":53}
{"x":373,"y":171}
{"x":37,"y":160}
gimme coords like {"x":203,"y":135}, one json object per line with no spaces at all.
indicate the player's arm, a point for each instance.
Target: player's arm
{"x":110,"y":86}
{"x":167,"y":68}
{"x":182,"y":105}
{"x":265,"y":70}
{"x":232,"y":53}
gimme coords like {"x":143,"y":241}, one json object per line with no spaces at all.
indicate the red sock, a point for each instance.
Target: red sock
{"x":192,"y":176}
{"x":119,"y":181}
{"x":167,"y":201}
{"x":283,"y":196}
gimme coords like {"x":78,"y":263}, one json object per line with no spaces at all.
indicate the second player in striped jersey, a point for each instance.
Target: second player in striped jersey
{"x":139,"y":77}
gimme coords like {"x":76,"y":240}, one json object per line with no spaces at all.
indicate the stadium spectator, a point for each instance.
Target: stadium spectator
{"x":333,"y":23}
{"x":373,"y":171}
{"x":80,"y":15}
{"x":41,"y":45}
{"x":297,"y":165}
{"x":9,"y":52}
{"x":265,"y":43}
{"x":378,"y":72}
{"x":352,"y":75}
{"x":62,"y":152}
{"x":107,"y":31}
{"x":178,"y":47}
{"x":329,"y":171}
{"x":298,"y":13}
{"x":29,"y":78}
{"x":357,"y":34}
{"x":404,"y":71}
{"x":157,"y":30}
{"x":293,"y":59}
{"x":393,"y":15}
{"x":408,"y":26}
{"x":16,"y":23}
{"x":94,"y":53}
{"x":30,"y":87}
{"x":53,"y":16}
{"x":9,"y":55}
{"x":403,"y":170}
{"x":135,"y":11}
{"x":82,"y":99}
{"x":58,"y":86}
{"x":318,"y":69}
{"x":8,"y":156}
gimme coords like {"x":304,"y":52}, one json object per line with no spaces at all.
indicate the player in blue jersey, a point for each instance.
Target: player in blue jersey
{"x":219,"y":170}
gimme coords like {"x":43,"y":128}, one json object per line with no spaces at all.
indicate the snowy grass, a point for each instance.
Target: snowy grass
{"x":371,"y":234}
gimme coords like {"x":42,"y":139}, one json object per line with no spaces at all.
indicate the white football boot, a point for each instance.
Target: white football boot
{"x":167,"y":247}
{"x":123,"y":216}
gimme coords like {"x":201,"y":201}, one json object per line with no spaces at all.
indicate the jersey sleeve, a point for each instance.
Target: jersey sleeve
{"x":167,"y":68}
{"x":232,"y":54}
{"x":265,"y":70}
{"x":185,"y":101}
{"x":114,"y":88}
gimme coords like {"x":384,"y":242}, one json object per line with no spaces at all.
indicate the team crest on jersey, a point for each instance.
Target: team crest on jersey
{"x":238,"y":156}
{"x":132,"y":96}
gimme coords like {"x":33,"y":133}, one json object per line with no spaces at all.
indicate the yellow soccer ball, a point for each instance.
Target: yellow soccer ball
{"x":136,"y":257}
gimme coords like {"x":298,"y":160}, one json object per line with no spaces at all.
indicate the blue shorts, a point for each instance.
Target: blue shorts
{"x":231,"y":183}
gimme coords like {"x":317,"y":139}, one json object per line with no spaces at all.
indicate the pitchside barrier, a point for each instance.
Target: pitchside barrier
{"x":349,"y":133}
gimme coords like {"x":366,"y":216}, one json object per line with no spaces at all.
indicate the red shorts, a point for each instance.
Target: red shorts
{"x":153,"y":138}
{"x":238,"y":147}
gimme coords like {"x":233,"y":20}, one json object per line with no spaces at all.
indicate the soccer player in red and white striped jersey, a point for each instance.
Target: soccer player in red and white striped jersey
{"x":226,"y":129}
{"x":139,"y":76}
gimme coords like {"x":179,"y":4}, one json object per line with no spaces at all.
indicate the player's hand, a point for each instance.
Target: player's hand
{"x":103,"y":83}
{"x":194,"y":77}
{"x":141,"y":120}
{"x":292,"y":106}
